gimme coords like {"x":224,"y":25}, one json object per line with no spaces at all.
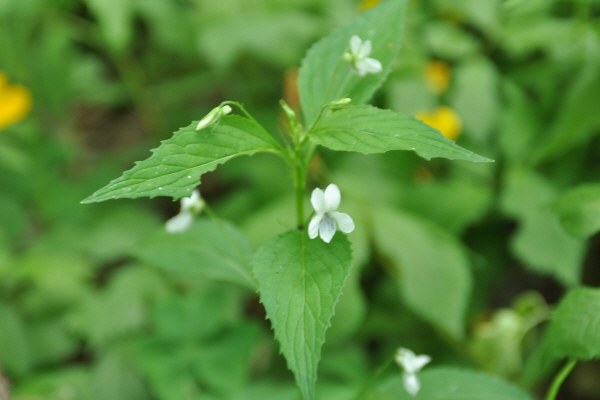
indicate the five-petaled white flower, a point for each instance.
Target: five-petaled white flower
{"x":357,"y":57}
{"x":327,"y":218}
{"x":411,"y":364}
{"x":190,"y":206}
{"x":213,"y":116}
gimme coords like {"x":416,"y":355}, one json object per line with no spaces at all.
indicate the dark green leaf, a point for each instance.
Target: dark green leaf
{"x":300,"y":281}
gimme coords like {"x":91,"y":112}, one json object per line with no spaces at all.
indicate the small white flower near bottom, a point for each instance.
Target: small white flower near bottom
{"x":190,"y":206}
{"x":213,"y":116}
{"x":327,"y":220}
{"x":411,"y":364}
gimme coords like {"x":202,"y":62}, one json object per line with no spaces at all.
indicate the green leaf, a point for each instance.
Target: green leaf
{"x":452,"y":384}
{"x":432,"y":270}
{"x":540,"y":242}
{"x":208,"y":249}
{"x":579,"y":210}
{"x":574,"y":330}
{"x":174,"y":168}
{"x":368,"y":129}
{"x":300,"y":281}
{"x":325,"y":76}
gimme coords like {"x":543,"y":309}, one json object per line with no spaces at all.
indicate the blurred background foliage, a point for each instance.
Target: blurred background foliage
{"x":87,"y":87}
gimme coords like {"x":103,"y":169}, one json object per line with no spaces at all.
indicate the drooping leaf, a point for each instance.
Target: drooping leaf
{"x":452,"y":384}
{"x":432,"y":270}
{"x":579,"y":210}
{"x":325,"y":76}
{"x":208,"y":249}
{"x":300,"y":281}
{"x":368,"y":129}
{"x":540,"y":242}
{"x":574,"y":330}
{"x":175,"y":167}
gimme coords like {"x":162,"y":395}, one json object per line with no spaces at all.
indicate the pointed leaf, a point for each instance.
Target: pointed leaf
{"x":207,"y":249}
{"x":175,"y":167}
{"x":574,"y":330}
{"x":432,"y":270}
{"x":325,"y":76}
{"x":369,"y":129}
{"x":300,"y":281}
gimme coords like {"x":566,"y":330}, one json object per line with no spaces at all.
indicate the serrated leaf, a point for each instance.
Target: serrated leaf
{"x":300,"y":281}
{"x":175,"y":167}
{"x":432,"y":270}
{"x":540,"y":241}
{"x":207,"y":249}
{"x":574,"y":330}
{"x":324,"y":76}
{"x":579,"y":210}
{"x":444,"y":383}
{"x":368,"y":129}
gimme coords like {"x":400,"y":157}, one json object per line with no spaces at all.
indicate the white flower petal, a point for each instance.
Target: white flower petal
{"x":317,"y":200}
{"x":313,"y":226}
{"x":420,"y":361}
{"x":180,"y":223}
{"x":327,"y":228}
{"x":355,"y":44}
{"x":332,"y":197}
{"x":368,"y":66}
{"x":411,"y":383}
{"x":365,"y":49}
{"x":343,"y":220}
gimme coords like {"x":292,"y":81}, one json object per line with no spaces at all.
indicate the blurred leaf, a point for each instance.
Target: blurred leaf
{"x":574,"y":331}
{"x":450,"y":41}
{"x":300,"y":281}
{"x":209,"y":249}
{"x":369,"y":129}
{"x":444,"y":383}
{"x":325,"y":77}
{"x":577,"y":120}
{"x":431,"y":268}
{"x":518,"y":124}
{"x":175,"y":168}
{"x":579,"y":210}
{"x":15,"y":352}
{"x":55,"y":384}
{"x":474,"y":96}
{"x":540,"y":241}
{"x":113,"y":377}
{"x":116,"y":21}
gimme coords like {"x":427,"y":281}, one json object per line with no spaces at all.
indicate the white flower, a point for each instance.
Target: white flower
{"x":324,"y":223}
{"x":190,"y":206}
{"x":411,"y":364}
{"x":358,"y":59}
{"x":213,"y":116}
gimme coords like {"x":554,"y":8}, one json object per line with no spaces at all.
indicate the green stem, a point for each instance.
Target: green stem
{"x":300,"y":184}
{"x":559,"y":378}
{"x":370,"y":382}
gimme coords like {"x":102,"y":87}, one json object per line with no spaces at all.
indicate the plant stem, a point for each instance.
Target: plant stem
{"x":365,"y":389}
{"x":299,"y":183}
{"x":559,"y":378}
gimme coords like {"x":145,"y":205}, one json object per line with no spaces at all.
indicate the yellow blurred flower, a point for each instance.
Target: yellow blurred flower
{"x":437,"y":75}
{"x":366,"y":4}
{"x":444,"y":119}
{"x":15,"y":102}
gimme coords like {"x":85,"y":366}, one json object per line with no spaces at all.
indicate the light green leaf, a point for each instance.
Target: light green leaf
{"x":540,"y":241}
{"x":174,"y":168}
{"x":579,"y":210}
{"x":300,"y":281}
{"x":325,"y":76}
{"x":432,"y":270}
{"x":369,"y":129}
{"x":115,"y":18}
{"x":453,"y":384}
{"x":208,"y":249}
{"x":574,"y":330}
